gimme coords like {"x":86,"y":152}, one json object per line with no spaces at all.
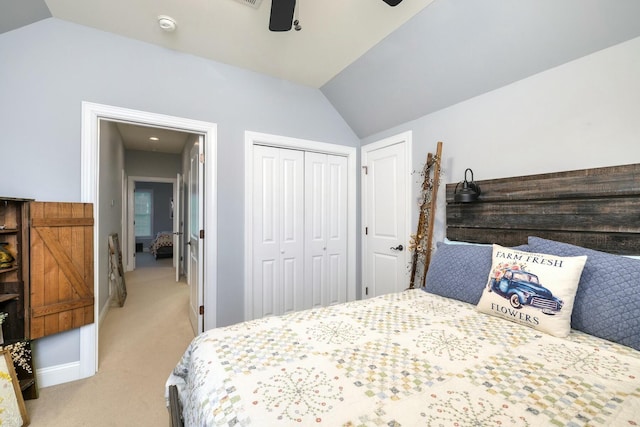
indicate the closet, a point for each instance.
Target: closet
{"x":299,"y":230}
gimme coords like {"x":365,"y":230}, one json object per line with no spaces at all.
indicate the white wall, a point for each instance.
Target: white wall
{"x":582,"y":114}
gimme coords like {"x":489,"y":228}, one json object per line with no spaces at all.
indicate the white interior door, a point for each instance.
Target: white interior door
{"x":196,"y":208}
{"x":325,"y":229}
{"x":278,"y":231}
{"x":385,"y":217}
{"x":177,"y":220}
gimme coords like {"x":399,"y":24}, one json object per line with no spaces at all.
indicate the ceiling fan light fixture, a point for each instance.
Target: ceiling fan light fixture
{"x":281,"y":18}
{"x":392,"y":2}
{"x":167,"y":23}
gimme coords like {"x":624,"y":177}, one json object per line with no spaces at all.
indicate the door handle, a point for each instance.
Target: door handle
{"x":397,"y":248}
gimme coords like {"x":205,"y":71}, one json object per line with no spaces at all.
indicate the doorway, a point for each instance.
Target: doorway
{"x":386,"y":214}
{"x":163,"y":217}
{"x":92,"y":114}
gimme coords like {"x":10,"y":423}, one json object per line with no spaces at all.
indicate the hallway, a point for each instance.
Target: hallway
{"x":140,"y":343}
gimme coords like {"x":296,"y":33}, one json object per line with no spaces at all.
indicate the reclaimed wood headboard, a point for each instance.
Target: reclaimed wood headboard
{"x":595,"y":208}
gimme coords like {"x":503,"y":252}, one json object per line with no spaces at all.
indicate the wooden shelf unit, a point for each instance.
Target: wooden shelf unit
{"x":15,"y":282}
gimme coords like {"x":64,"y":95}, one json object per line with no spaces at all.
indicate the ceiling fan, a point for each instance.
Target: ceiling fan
{"x":282,"y":14}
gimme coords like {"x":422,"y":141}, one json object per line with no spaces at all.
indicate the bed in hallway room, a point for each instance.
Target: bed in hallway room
{"x":162,"y":245}
{"x":538,"y":325}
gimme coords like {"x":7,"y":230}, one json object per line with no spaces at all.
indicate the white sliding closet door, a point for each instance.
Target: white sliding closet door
{"x":325,"y":229}
{"x":278,"y":231}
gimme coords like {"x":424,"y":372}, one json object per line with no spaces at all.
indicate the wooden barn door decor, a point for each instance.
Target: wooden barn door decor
{"x":61,"y":267}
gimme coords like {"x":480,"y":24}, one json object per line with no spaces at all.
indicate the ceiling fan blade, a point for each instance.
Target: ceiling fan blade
{"x":282,"y":15}
{"x":392,"y":2}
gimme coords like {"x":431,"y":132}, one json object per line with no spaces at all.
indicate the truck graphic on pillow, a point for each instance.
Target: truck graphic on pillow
{"x":523,"y":288}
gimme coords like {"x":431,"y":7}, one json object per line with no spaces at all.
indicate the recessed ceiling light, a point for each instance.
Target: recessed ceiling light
{"x":154,"y":138}
{"x":167,"y":23}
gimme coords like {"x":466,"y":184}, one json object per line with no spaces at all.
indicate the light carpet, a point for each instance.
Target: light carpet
{"x":140,"y":343}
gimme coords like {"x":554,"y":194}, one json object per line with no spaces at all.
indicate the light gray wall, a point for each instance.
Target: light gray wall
{"x":110,"y":202}
{"x":150,"y":164}
{"x":48,"y":68}
{"x":453,"y":50}
{"x":582,"y":114}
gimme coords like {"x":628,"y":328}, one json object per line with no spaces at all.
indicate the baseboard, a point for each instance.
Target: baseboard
{"x":59,"y":374}
{"x":105,"y":309}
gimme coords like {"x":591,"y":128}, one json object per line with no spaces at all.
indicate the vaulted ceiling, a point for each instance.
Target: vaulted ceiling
{"x":379,"y":66}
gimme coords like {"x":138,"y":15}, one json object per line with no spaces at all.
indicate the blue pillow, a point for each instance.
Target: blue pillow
{"x":607,"y":303}
{"x":460,"y":271}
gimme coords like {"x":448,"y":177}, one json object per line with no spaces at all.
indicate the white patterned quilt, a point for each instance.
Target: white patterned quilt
{"x":404,"y":359}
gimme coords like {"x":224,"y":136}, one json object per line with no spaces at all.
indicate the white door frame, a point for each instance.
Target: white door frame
{"x":401,"y":138}
{"x":177,"y":228}
{"x":131,"y":234}
{"x":255,"y":138}
{"x":90,"y":169}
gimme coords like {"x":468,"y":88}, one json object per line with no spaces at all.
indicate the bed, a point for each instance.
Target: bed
{"x":162,"y":245}
{"x":463,"y":350}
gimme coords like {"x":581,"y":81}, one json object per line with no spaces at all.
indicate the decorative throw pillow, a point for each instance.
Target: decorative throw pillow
{"x":533,"y":289}
{"x":607,"y":303}
{"x":459,"y":271}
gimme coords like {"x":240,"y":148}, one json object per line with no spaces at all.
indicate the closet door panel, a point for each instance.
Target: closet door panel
{"x":265,"y":295}
{"x":266,"y":232}
{"x":278,"y":242}
{"x":336,"y":217}
{"x":292,"y":230}
{"x":325,"y":229}
{"x":315,"y":168}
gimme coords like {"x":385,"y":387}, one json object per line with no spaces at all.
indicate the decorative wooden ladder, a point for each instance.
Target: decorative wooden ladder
{"x":421,"y":242}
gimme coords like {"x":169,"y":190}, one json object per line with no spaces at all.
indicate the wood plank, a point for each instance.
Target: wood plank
{"x":26,"y":269}
{"x":37,"y":273}
{"x":52,"y":271}
{"x":609,"y":182}
{"x":622,"y":244}
{"x":605,"y":215}
{"x":61,"y":306}
{"x":62,"y":222}
{"x":65,"y":288}
{"x":8,"y":297}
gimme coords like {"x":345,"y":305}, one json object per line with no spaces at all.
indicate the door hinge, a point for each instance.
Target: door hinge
{"x":201,"y":310}
{"x":366,"y":290}
{"x":201,"y":157}
{"x":366,"y":231}
{"x":366,"y":170}
{"x":202,"y":234}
